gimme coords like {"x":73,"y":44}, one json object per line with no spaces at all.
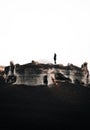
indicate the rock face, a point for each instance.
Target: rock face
{"x":48,"y":74}
{"x":32,"y":74}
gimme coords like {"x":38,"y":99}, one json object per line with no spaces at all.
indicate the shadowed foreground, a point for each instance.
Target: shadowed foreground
{"x":63,"y":106}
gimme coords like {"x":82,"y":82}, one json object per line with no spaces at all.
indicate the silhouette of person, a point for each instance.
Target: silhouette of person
{"x":55,"y":58}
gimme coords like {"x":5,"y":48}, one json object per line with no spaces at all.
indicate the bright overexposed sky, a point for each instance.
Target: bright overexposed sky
{"x":36,"y":29}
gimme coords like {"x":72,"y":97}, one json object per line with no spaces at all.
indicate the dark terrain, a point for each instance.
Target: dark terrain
{"x":63,"y":106}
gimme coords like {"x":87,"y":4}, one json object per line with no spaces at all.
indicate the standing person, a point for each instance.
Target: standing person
{"x":55,"y":58}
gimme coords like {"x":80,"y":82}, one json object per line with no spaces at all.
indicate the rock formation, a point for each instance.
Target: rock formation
{"x":46,"y":74}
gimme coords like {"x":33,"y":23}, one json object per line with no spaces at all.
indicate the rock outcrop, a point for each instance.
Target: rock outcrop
{"x":47,"y":74}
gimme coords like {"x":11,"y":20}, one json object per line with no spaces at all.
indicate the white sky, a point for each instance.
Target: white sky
{"x":35,"y":29}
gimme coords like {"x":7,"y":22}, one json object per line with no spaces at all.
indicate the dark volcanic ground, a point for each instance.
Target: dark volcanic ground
{"x":62,"y":106}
